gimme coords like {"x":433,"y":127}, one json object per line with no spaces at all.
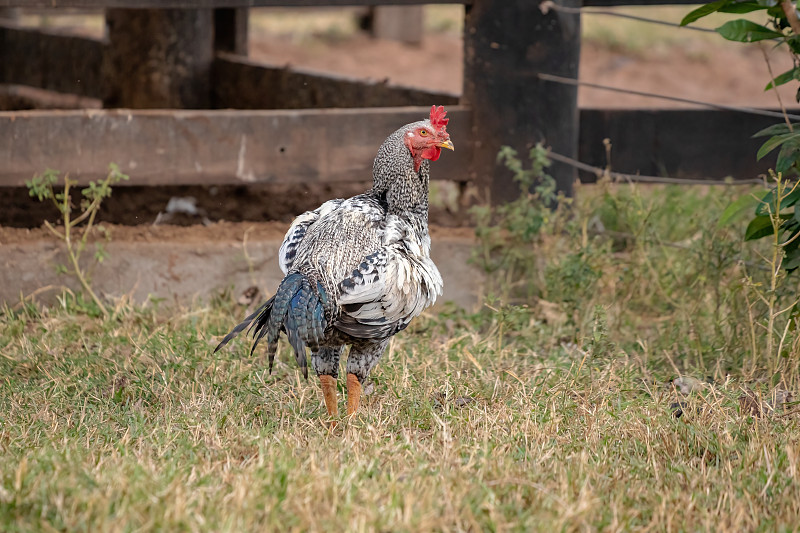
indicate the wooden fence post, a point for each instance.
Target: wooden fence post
{"x":230,"y":30}
{"x":158,"y":58}
{"x":507,"y":43}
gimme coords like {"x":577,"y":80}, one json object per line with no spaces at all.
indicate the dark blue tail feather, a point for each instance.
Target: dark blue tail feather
{"x":296,"y":309}
{"x":247,"y":322}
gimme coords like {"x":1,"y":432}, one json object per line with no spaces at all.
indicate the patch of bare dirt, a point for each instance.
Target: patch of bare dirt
{"x":142,"y":205}
{"x":199,"y":234}
{"x":712,"y":73}
{"x":727,"y":74}
{"x":220,"y":231}
{"x":436,"y":64}
{"x":130,"y":205}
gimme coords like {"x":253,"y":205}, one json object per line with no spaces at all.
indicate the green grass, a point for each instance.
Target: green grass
{"x":505,"y":419}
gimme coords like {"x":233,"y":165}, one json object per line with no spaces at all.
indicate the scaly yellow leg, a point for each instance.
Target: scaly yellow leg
{"x":329,"y":392}
{"x":353,"y":394}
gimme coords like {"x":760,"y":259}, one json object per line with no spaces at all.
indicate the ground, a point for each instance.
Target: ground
{"x":554,"y":407}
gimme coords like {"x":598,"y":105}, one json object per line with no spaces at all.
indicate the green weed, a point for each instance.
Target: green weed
{"x":666,"y":265}
{"x":43,"y":187}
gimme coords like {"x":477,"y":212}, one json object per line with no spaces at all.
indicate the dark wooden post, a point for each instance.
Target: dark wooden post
{"x":230,"y":30}
{"x":507,"y":43}
{"x":158,"y":58}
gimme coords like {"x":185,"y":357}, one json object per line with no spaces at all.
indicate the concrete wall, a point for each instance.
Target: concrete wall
{"x":186,"y":270}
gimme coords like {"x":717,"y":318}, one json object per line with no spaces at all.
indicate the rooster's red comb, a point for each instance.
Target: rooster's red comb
{"x":438,"y":119}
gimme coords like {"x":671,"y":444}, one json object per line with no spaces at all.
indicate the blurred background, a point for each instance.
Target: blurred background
{"x":421,"y":46}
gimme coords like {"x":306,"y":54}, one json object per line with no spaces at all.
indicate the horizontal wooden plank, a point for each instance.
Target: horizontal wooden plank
{"x":162,"y":147}
{"x":693,"y":143}
{"x":219,"y":147}
{"x":17,"y":97}
{"x":204,"y":4}
{"x":240,"y":83}
{"x":51,"y":60}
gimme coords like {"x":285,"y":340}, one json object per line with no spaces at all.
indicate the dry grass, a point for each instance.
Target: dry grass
{"x":132,"y":424}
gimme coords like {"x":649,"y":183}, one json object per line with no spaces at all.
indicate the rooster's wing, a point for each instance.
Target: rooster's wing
{"x":297,"y":231}
{"x":391,"y":285}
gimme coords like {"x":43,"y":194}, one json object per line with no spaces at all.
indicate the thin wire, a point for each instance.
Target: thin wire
{"x":646,"y":179}
{"x":548,"y":4}
{"x":750,"y":110}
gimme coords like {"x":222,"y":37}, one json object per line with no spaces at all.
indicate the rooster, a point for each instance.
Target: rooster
{"x":358,"y":270}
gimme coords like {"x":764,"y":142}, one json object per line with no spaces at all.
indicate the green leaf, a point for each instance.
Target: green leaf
{"x":745,"y":7}
{"x":775,"y":129}
{"x":791,"y":199}
{"x":759,"y":227}
{"x":100,"y":253}
{"x":794,"y":44}
{"x":744,"y":203}
{"x":788,"y":156}
{"x":703,"y":11}
{"x":773,"y":143}
{"x":767,"y":203}
{"x":786,"y":77}
{"x":791,"y":261}
{"x":744,"y":31}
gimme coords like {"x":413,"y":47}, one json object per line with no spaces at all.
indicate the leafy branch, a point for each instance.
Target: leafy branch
{"x":783,"y":28}
{"x":43,"y":187}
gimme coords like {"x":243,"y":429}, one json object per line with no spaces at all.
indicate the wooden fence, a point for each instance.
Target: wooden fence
{"x":251,"y":122}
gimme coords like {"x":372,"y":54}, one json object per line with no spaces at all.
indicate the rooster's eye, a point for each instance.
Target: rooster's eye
{"x":423,"y":132}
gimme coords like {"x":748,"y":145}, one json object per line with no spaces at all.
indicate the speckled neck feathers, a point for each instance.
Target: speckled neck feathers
{"x":394,"y":177}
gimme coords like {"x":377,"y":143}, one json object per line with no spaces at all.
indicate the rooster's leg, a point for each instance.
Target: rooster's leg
{"x":329,"y":392}
{"x":362,"y":359}
{"x":353,"y":394}
{"x":325,"y":362}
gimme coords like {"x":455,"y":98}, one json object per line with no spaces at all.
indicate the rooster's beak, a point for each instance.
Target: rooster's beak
{"x":447,"y":144}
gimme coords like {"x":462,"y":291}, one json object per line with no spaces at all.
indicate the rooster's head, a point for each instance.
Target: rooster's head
{"x":426,"y":139}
